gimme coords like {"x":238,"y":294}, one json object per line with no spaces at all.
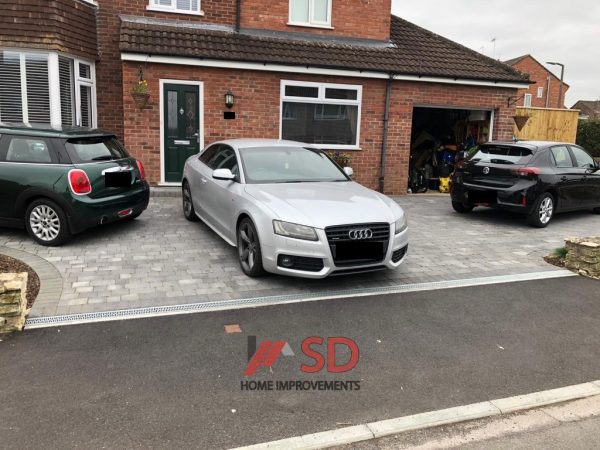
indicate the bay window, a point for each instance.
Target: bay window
{"x":327,"y":115}
{"x":315,"y":13}
{"x":46,"y":88}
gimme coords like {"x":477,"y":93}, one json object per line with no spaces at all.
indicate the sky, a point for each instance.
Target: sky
{"x":551,"y":30}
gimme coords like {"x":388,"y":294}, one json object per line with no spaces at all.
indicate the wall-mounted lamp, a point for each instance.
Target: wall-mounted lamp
{"x":229,"y":99}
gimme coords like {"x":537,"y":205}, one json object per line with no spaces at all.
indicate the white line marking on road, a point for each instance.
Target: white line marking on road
{"x":375,"y":430}
{"x":225,"y":305}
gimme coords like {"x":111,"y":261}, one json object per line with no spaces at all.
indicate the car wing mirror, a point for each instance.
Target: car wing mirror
{"x":223,"y":174}
{"x":461,"y":156}
{"x":349,"y":171}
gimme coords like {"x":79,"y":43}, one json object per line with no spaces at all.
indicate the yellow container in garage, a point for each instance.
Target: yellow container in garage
{"x":444,"y":185}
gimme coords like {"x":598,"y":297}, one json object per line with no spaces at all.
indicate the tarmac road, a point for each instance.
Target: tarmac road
{"x":175,"y":381}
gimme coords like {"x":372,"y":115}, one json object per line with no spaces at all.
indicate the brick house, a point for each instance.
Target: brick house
{"x":588,"y":109}
{"x":345,"y":75}
{"x":545,"y":90}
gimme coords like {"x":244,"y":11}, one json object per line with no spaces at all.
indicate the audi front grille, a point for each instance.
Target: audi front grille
{"x":358,"y":244}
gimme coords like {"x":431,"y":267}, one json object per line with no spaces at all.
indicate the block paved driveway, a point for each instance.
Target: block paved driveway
{"x":161,"y":259}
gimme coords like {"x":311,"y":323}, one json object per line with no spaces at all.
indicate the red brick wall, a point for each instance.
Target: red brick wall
{"x":258,"y":113}
{"x":539,"y":74}
{"x":67,"y":26}
{"x":357,"y":18}
{"x":368,"y":19}
{"x":108,"y":70}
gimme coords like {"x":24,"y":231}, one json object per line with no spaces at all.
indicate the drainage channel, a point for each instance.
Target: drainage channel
{"x":223,"y":305}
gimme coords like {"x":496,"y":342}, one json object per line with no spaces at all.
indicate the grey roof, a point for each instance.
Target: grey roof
{"x":411,"y":50}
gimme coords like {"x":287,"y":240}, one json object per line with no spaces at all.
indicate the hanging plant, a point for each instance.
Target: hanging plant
{"x":140,"y":94}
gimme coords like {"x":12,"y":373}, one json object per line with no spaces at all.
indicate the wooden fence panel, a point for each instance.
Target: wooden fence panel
{"x":548,"y":124}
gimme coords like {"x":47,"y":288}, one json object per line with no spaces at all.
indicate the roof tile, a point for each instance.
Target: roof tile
{"x":412,"y":50}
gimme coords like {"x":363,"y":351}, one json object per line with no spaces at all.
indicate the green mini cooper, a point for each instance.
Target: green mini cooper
{"x":59,"y":182}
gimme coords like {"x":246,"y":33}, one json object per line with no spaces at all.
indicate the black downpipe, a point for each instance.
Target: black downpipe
{"x":238,"y":15}
{"x":386,"y":120}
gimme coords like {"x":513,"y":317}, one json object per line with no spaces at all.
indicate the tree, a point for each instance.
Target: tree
{"x":588,"y":136}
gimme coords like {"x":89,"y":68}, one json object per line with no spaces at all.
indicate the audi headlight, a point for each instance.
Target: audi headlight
{"x":294,"y":231}
{"x":401,"y":224}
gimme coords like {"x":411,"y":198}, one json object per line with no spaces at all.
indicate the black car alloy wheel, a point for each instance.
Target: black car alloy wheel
{"x":542,"y":212}
{"x":249,"y":249}
{"x":188,"y":206}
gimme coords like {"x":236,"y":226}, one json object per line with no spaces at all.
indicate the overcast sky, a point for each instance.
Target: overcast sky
{"x":551,"y":30}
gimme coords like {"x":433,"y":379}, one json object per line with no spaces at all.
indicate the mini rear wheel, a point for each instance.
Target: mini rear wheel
{"x":47,"y":223}
{"x":462,"y":208}
{"x":542,"y":212}
{"x":249,"y":249}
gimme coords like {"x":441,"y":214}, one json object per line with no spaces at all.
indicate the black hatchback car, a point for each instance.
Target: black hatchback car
{"x":538,"y":179}
{"x":58,"y":182}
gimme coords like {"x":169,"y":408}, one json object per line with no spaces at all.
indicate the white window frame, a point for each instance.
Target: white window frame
{"x":153,"y":5}
{"x":311,"y":20}
{"x":88,"y":82}
{"x":527,"y":98}
{"x":54,"y":86}
{"x":320,"y":100}
{"x":540,"y":92}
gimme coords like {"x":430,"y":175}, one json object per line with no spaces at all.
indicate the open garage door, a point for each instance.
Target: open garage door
{"x":437,"y":135}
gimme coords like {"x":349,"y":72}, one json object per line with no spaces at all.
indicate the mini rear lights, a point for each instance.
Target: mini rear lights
{"x":141,"y":170}
{"x":79,"y":182}
{"x":125,"y":212}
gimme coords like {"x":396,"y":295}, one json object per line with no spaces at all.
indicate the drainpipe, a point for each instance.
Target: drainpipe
{"x":548,"y":92}
{"x":386,"y":120}
{"x":238,"y":15}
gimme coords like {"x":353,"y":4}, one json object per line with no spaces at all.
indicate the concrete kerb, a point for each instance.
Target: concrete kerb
{"x":375,"y":430}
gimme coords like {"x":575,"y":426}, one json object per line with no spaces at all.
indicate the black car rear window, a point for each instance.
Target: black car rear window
{"x":499,"y":154}
{"x":96,"y":149}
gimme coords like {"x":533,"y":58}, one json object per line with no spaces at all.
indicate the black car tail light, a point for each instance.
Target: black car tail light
{"x":527,"y":172}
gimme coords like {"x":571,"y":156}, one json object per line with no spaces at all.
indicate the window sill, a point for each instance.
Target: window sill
{"x":310,"y":25}
{"x":337,"y":148}
{"x":174,"y":11}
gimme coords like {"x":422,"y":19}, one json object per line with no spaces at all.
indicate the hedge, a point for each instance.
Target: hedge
{"x":588,"y":136}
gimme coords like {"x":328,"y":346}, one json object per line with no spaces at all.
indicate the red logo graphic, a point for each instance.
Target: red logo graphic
{"x":268,"y":353}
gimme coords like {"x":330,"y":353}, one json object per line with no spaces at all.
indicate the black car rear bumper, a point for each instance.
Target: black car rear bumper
{"x":519,"y":198}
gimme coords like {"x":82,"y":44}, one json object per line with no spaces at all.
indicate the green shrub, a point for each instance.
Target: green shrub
{"x":588,"y":136}
{"x":343,"y":159}
{"x":560,"y":252}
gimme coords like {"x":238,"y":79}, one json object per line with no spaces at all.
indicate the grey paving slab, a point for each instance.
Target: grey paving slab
{"x":161,"y":259}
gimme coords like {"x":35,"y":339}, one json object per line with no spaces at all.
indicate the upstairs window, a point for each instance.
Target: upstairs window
{"x":311,"y":13}
{"x":527,"y":101}
{"x":176,"y":6}
{"x":540,"y":92}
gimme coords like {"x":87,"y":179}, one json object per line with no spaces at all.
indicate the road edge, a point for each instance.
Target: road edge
{"x":383,"y":428}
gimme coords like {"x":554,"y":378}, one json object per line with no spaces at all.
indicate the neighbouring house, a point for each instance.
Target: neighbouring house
{"x":545,"y":90}
{"x":344,"y":75}
{"x":588,"y":109}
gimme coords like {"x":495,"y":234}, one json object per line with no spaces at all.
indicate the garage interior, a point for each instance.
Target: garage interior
{"x":438,"y":134}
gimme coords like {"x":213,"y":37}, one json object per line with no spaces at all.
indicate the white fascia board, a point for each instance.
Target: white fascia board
{"x":307,"y":70}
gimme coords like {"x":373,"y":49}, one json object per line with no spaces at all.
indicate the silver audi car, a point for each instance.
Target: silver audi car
{"x":289,"y":209}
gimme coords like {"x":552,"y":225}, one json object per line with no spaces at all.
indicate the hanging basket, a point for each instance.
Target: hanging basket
{"x":521,"y":121}
{"x":141,"y":100}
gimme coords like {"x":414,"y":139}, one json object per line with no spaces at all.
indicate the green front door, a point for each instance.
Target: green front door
{"x":182,"y":127}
